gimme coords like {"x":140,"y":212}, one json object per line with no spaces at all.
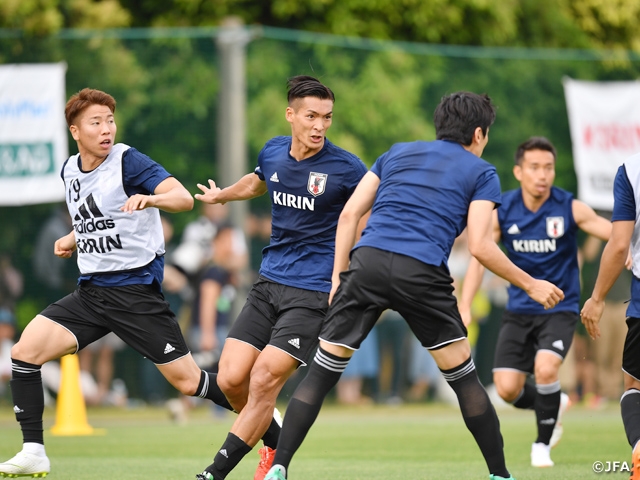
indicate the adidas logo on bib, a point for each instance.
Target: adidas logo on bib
{"x":295,"y":342}
{"x":169,"y":348}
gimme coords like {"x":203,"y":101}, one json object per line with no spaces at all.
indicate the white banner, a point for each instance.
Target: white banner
{"x":604,"y":118}
{"x":33,"y":133}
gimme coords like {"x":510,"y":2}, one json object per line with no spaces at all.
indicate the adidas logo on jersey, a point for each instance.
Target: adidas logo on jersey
{"x":558,"y":344}
{"x":17,"y":409}
{"x":169,"y":348}
{"x":274,"y":177}
{"x":513,"y":230}
{"x":295,"y":342}
{"x":90,"y":219}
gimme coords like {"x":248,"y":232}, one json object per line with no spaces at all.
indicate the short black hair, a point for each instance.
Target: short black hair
{"x":534,"y":143}
{"x":302,"y":86}
{"x":459,"y":114}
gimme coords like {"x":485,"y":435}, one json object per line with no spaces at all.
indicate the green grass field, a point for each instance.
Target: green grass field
{"x":426,"y":441}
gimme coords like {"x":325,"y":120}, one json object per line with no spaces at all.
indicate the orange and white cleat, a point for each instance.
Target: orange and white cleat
{"x":266,"y":461}
{"x":635,"y":464}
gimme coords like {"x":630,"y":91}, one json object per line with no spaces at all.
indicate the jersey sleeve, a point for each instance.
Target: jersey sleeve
{"x":258,"y":169}
{"x":488,"y":187}
{"x":624,"y":202}
{"x":379,"y":164}
{"x":141,"y":174}
{"x":359,"y":170}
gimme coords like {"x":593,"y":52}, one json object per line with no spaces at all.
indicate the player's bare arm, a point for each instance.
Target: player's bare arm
{"x":248,"y":187}
{"x":612,"y":262}
{"x":65,"y":246}
{"x":350,"y":224}
{"x":589,"y":221}
{"x":473,"y":277}
{"x":484,"y":248}
{"x":169,"y":196}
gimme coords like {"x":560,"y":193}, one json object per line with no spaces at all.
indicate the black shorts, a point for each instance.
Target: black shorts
{"x":630,"y":357}
{"x":138,"y":314}
{"x":378,"y":280}
{"x":287,"y":318}
{"x":522,"y":336}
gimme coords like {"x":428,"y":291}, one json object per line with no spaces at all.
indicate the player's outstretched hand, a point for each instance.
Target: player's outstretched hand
{"x":210,"y":194}
{"x":545,"y":293}
{"x":590,"y":315}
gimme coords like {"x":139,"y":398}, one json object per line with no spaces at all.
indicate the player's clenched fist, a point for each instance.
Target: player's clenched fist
{"x":546,"y":294}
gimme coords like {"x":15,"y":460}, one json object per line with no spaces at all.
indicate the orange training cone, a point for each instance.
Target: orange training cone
{"x":71,"y":412}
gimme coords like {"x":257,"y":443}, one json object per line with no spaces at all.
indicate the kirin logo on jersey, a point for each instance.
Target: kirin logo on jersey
{"x":555,"y":227}
{"x":317,"y":183}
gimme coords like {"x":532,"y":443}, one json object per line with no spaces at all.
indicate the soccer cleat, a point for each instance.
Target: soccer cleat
{"x":25,"y":465}
{"x":635,"y":464}
{"x":277,"y":472}
{"x":540,"y":455}
{"x":565,"y":402}
{"x":266,"y":461}
{"x":496,"y":477}
{"x":204,"y":476}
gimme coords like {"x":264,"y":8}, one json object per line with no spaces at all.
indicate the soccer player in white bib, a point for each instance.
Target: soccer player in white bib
{"x":309,"y":180}
{"x":422,"y":195}
{"x":114,"y":195}
{"x":537,"y":224}
{"x":625,"y":233}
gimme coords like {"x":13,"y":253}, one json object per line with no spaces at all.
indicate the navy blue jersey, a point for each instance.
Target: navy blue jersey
{"x":423,"y":198}
{"x":544,"y":245}
{"x":140,"y":175}
{"x":625,"y":209}
{"x":306,"y":200}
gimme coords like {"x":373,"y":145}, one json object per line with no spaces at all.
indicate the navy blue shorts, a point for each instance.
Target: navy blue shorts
{"x":138,"y":314}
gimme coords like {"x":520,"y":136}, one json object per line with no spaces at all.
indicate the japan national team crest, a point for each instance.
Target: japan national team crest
{"x":317,"y":183}
{"x":555,"y":227}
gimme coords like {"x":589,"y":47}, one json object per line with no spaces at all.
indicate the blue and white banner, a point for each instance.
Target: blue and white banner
{"x":33,"y":133}
{"x":604,"y":118}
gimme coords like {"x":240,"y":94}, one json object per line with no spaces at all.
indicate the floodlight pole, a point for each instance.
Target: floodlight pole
{"x":232,"y":139}
{"x":231,"y":43}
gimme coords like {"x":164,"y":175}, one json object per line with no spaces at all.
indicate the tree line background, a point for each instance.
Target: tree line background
{"x":388,"y":61}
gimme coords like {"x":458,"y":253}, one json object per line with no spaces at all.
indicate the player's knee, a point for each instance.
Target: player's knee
{"x":18,"y":352}
{"x":229,"y":384}
{"x":507,"y":391}
{"x":546,"y":374}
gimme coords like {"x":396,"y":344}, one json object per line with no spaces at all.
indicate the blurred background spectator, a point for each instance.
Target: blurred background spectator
{"x":11,"y":288}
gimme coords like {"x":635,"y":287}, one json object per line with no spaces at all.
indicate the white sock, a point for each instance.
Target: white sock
{"x":34,"y":449}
